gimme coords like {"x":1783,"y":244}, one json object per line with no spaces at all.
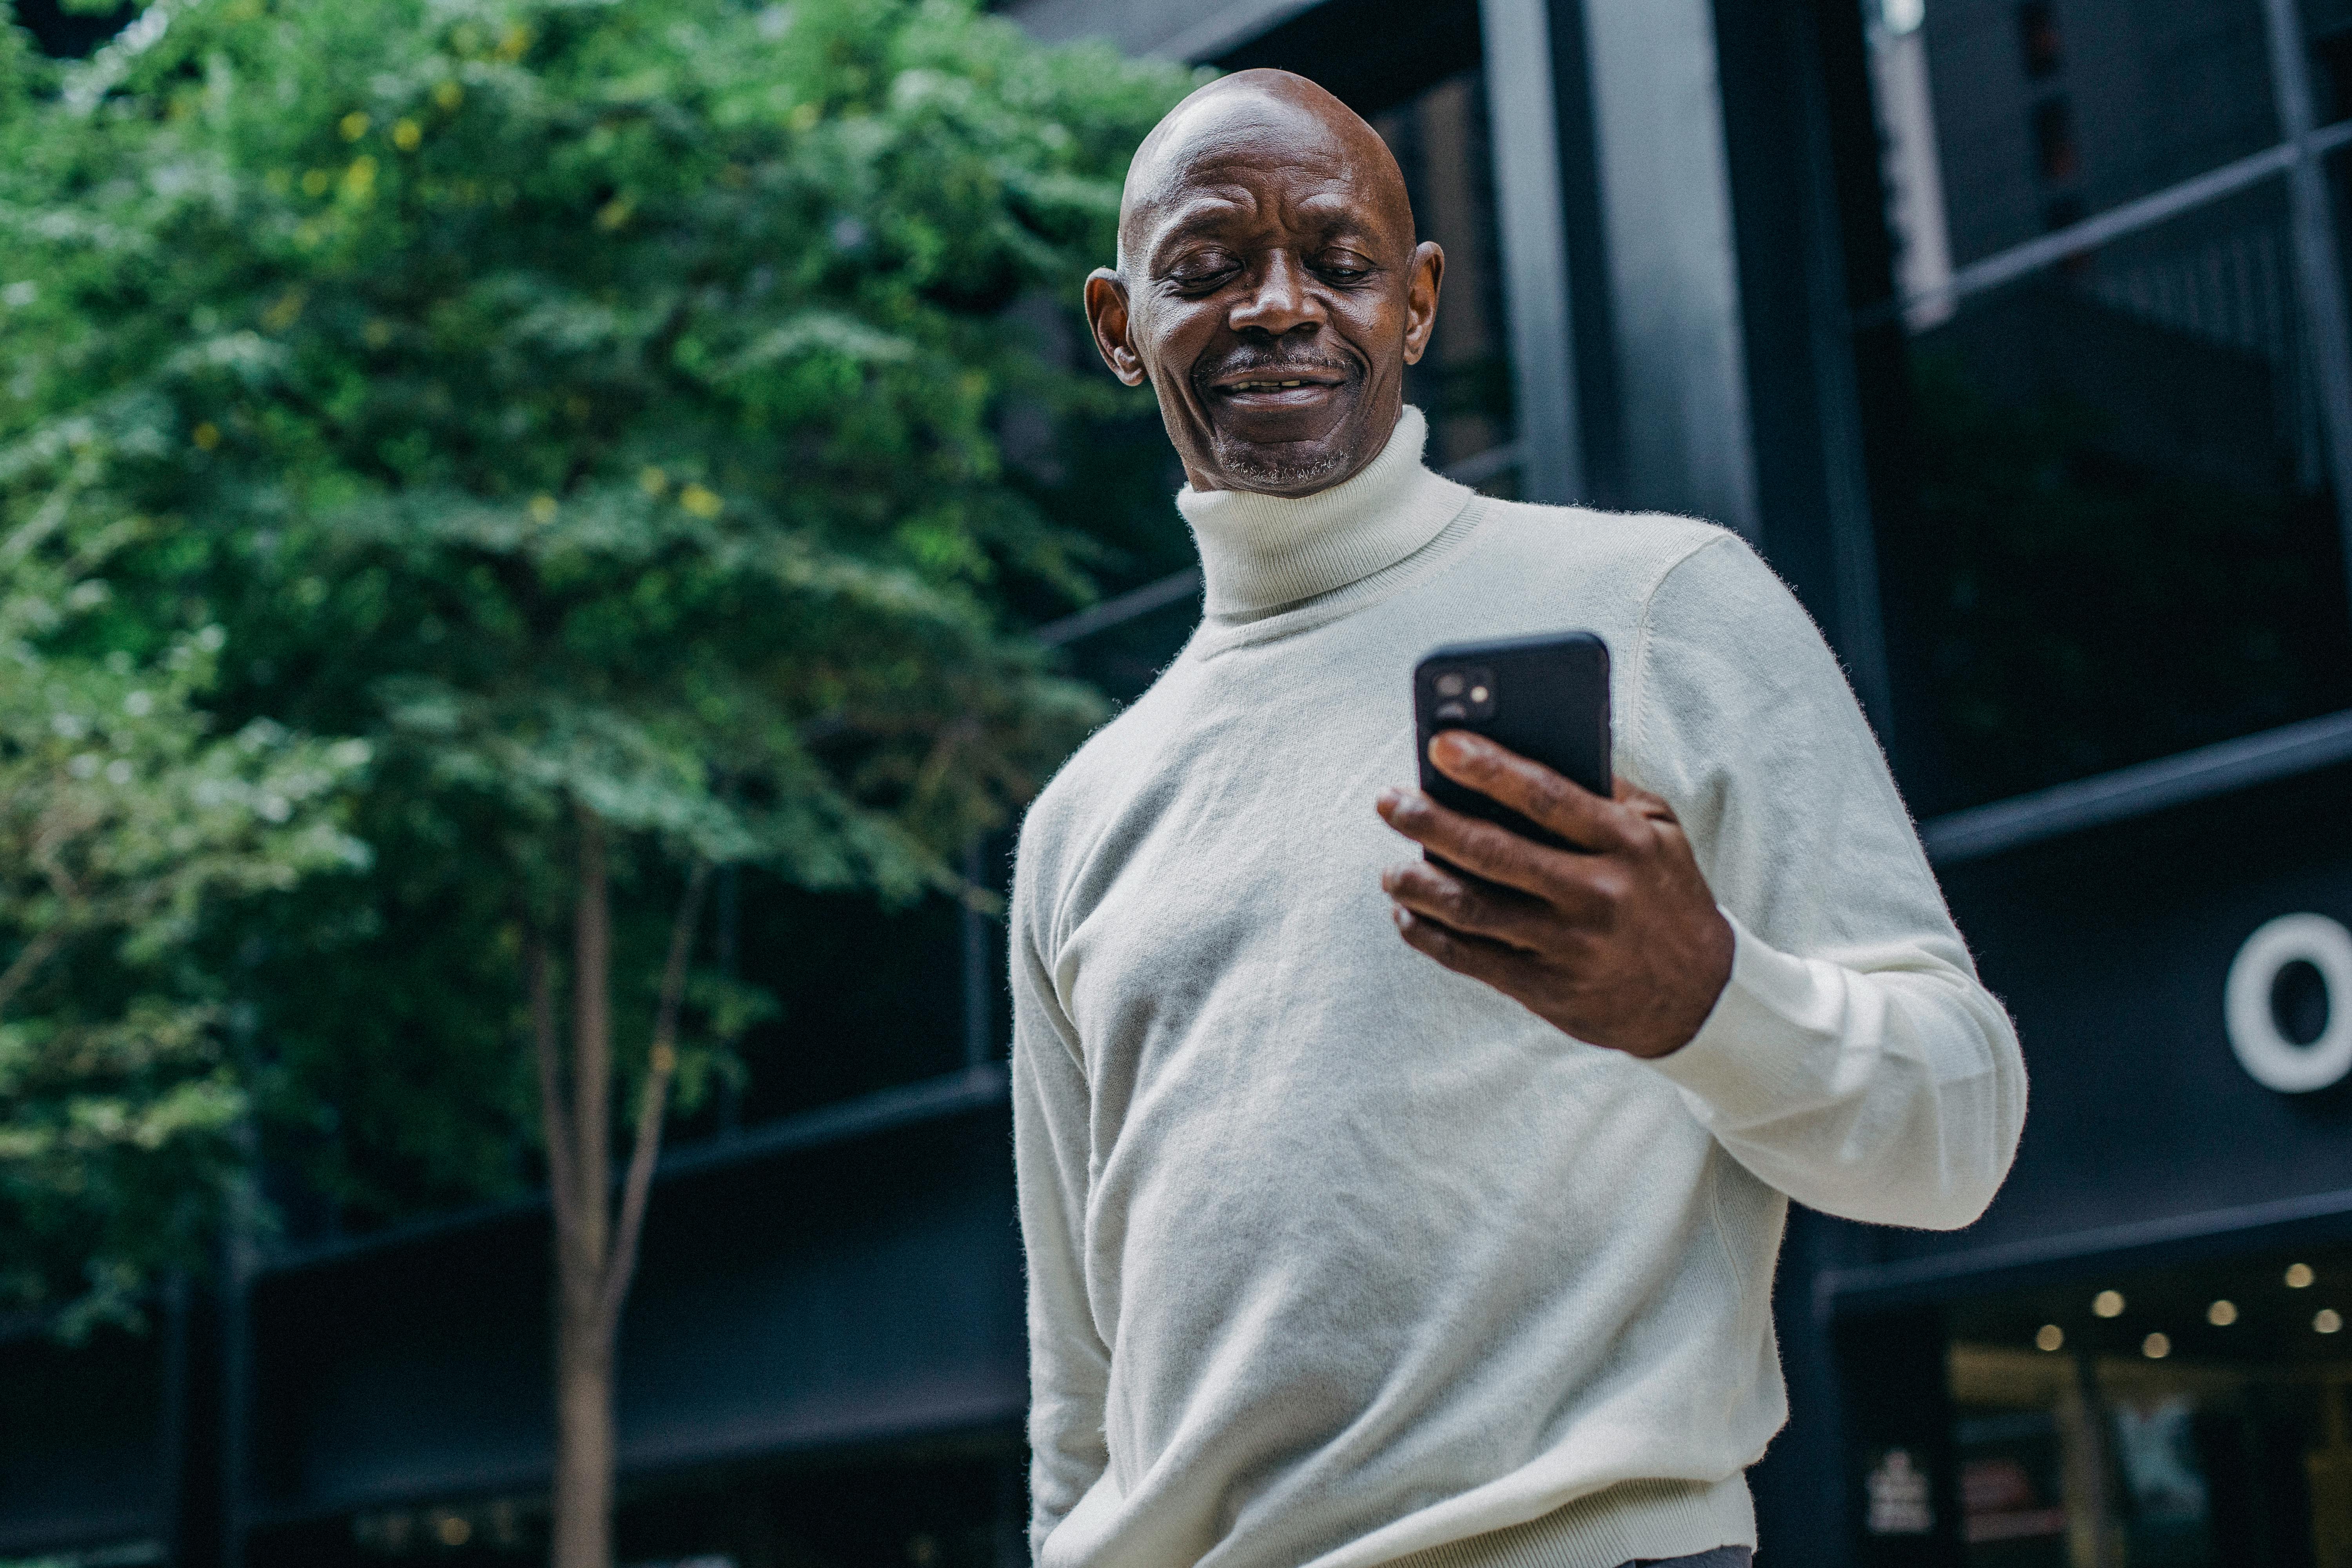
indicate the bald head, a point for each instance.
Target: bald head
{"x":1247,"y":110}
{"x":1268,"y":285}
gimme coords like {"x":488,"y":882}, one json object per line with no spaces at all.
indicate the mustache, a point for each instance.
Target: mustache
{"x":1274,"y":363}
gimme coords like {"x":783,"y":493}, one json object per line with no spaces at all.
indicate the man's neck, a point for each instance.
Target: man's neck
{"x":1261,"y":552}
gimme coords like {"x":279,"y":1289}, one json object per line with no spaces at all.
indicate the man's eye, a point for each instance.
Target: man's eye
{"x":1202,"y":277}
{"x":1343,"y":269}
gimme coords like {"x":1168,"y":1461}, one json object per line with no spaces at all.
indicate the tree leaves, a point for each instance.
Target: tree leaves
{"x":546,"y":405}
{"x":124,"y":825}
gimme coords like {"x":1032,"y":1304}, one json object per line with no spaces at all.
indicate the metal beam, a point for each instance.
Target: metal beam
{"x":1523,"y":112}
{"x":1673,"y":267}
{"x":1927,"y":1279}
{"x":2020,"y":260}
{"x":2319,"y":267}
{"x":2140,"y":790}
{"x":851,"y":1277}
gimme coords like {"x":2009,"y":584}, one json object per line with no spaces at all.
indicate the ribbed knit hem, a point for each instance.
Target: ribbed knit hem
{"x":1763,"y":1048}
{"x":1624,"y":1524}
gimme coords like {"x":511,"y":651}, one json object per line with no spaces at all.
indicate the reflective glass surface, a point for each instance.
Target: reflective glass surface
{"x":2046,"y":112}
{"x":2186,"y":1418}
{"x":1464,"y":383}
{"x":2106,"y":528}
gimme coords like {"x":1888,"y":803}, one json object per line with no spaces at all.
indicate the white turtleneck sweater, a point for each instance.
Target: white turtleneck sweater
{"x":1339,"y":1258}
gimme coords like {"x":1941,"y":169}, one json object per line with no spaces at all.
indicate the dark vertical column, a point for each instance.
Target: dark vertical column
{"x":1812,"y":487}
{"x":727,"y":923}
{"x":2318,"y":265}
{"x":1548,"y":216}
{"x":189,"y":1437}
{"x":1877,"y":352}
{"x":1900,"y":1474}
{"x":1011,"y":1526}
{"x":979,"y":984}
{"x":242,"y":1258}
{"x":1801,"y":1515}
{"x":1593,"y":319}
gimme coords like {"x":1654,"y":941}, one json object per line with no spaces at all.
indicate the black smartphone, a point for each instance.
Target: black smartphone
{"x":1546,"y":698}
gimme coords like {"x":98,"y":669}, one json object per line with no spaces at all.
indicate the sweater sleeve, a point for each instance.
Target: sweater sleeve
{"x":1069,"y":1365}
{"x":1853,"y":1061}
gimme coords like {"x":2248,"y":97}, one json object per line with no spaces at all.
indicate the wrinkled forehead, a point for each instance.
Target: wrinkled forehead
{"x":1231,"y":152}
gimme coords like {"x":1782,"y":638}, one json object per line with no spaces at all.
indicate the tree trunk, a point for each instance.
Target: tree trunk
{"x":595,"y":1257}
{"x":584,"y":1442}
{"x":582,"y":1500}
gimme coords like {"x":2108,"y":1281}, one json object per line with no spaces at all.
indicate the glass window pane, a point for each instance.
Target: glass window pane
{"x":2037,"y":113}
{"x":2110,"y":536}
{"x":2186,"y":1417}
{"x":2328,"y":24}
{"x":1464,"y":383}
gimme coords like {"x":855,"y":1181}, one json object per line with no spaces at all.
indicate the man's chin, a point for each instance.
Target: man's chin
{"x":1283,"y":468}
{"x":1285,"y":457}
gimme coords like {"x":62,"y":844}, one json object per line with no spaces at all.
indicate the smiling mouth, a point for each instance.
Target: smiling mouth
{"x":1274,"y":381}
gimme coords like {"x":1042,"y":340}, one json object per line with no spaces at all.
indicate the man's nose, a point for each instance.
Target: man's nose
{"x":1281,"y":301}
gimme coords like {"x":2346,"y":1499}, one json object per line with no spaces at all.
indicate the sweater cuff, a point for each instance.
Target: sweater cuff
{"x":1770,"y":1041}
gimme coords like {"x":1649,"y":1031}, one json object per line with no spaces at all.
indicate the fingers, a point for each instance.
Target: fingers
{"x":1490,"y":852}
{"x":1529,"y":788}
{"x":1474,"y":909}
{"x":1643,"y":804}
{"x":1499,"y":967}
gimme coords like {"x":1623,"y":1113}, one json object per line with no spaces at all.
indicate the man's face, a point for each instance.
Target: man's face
{"x":1272,"y":291}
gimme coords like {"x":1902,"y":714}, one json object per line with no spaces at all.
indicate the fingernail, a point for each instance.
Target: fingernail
{"x":1389,"y":798}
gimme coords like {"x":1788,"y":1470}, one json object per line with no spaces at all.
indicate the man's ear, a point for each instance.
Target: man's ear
{"x":1106,"y":314}
{"x":1420,"y":299}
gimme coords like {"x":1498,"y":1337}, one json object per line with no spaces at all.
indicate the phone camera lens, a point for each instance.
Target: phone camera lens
{"x":1451,"y":710}
{"x":1449,"y":685}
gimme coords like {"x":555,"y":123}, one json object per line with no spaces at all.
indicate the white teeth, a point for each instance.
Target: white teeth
{"x":1265,"y":386}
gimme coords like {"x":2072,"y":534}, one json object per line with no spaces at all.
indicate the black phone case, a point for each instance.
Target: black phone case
{"x":1549,"y":699}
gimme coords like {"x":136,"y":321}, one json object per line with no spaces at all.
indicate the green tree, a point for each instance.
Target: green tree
{"x":593,"y":409}
{"x":125,"y":826}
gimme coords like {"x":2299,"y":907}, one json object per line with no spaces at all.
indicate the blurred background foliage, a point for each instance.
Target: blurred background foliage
{"x":422,"y":420}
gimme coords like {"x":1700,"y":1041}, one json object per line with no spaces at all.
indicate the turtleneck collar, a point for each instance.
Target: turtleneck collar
{"x":1259,"y":552}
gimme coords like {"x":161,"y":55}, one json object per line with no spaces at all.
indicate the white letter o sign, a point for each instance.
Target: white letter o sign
{"x":2268,"y":1056}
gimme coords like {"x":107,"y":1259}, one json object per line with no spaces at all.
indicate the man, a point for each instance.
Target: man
{"x":1340,"y":1256}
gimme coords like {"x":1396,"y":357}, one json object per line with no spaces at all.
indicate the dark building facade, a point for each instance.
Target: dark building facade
{"x":2014,"y":332}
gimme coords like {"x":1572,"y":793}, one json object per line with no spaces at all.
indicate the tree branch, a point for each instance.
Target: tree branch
{"x":662,"y":1063}
{"x":30,"y":957}
{"x":563,"y":1190}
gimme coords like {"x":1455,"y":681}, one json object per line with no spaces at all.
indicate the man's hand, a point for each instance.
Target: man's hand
{"x":1617,"y":942}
